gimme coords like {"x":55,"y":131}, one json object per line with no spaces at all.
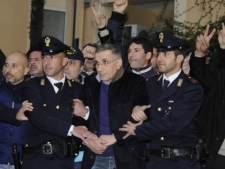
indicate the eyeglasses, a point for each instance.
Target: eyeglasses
{"x":104,"y":62}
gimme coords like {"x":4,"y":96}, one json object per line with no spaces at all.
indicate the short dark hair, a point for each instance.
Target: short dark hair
{"x":114,"y":49}
{"x":179,"y":52}
{"x":146,"y":44}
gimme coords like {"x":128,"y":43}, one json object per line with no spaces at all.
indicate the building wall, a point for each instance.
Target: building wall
{"x":14,"y":25}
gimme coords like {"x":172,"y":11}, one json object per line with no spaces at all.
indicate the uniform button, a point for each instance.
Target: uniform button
{"x":169,"y":108}
{"x":91,"y":157}
{"x":44,"y":105}
{"x":159,"y":109}
{"x":161,"y":138}
{"x":57,"y":107}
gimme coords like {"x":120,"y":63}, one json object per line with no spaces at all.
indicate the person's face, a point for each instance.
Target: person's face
{"x":137,"y":56}
{"x":15,"y":68}
{"x":154,"y":59}
{"x":168,"y":63}
{"x":73,"y":69}
{"x":35,"y":64}
{"x":53,"y":65}
{"x":107,"y":65}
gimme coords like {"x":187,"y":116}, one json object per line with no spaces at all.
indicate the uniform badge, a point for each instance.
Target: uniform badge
{"x":42,"y":83}
{"x":69,"y":83}
{"x":180,"y":82}
{"x":161,"y":36}
{"x":47,"y":41}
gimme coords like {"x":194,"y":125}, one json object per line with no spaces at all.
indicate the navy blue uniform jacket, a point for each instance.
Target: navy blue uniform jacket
{"x":49,"y":122}
{"x":173,"y":114}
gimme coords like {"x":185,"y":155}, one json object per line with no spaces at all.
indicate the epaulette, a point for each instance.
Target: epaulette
{"x":192,"y":80}
{"x":69,"y":83}
{"x":160,"y":77}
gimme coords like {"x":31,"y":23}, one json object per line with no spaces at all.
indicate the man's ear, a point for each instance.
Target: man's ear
{"x":26,"y":70}
{"x":180,"y":58}
{"x":119,"y":63}
{"x":65,"y":60}
{"x":148,"y":55}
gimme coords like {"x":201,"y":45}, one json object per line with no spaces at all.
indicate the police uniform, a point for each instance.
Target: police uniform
{"x":172,"y":131}
{"x":51,"y":119}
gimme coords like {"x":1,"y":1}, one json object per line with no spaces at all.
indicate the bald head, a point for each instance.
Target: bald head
{"x":15,"y":67}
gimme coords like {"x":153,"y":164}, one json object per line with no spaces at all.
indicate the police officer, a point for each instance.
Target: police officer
{"x":75,"y":65}
{"x":49,"y":125}
{"x":175,"y":100}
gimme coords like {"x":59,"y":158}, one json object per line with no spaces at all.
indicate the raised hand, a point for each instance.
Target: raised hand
{"x":100,"y":19}
{"x":221,"y":37}
{"x":83,"y":133}
{"x":203,"y":42}
{"x":26,"y":106}
{"x":120,"y":5}
{"x":138,"y":113}
{"x":98,"y":145}
{"x":129,"y":128}
{"x":79,"y":108}
{"x":89,"y":52}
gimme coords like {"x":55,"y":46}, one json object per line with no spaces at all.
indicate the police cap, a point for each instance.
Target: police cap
{"x":74,"y":53}
{"x":50,"y":45}
{"x":169,"y":42}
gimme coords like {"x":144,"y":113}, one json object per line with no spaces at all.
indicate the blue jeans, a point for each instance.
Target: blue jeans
{"x":104,"y":163}
{"x":4,"y":166}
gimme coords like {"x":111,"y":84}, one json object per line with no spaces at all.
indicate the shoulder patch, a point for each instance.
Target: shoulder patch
{"x":192,"y":80}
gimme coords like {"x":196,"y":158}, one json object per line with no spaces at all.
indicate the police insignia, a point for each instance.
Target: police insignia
{"x":47,"y":41}
{"x":161,"y":36}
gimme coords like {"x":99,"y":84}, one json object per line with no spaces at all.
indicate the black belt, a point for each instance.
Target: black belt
{"x":169,"y":152}
{"x":44,"y":149}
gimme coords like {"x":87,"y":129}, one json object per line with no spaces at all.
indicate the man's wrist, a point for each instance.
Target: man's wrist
{"x":101,"y":29}
{"x":199,"y":53}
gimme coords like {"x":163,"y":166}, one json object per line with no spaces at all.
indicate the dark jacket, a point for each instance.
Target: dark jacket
{"x":173,"y":116}
{"x":50,"y":121}
{"x":127,"y":91}
{"x":211,"y":123}
{"x":9,"y":97}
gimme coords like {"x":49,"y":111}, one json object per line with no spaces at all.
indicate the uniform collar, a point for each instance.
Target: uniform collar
{"x":172,"y":77}
{"x":53,"y":81}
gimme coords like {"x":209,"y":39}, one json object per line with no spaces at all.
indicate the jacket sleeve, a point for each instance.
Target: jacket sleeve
{"x":116,"y":26}
{"x":185,"y":109}
{"x":8,"y":115}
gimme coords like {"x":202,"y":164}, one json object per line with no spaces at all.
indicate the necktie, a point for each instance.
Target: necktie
{"x":165,"y":84}
{"x":59,"y":86}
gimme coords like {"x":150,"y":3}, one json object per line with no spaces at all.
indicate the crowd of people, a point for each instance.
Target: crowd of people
{"x":106,"y":108}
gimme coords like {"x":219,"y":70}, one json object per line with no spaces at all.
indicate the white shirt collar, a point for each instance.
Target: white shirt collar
{"x":53,"y":81}
{"x":172,"y":77}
